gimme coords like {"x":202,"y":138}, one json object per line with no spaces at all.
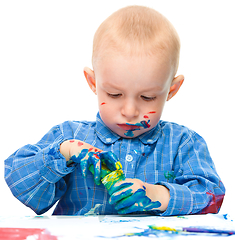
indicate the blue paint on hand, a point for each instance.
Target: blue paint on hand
{"x":109,"y":159}
{"x":126,"y":200}
{"x":85,"y":159}
{"x":102,"y":165}
{"x":118,"y":187}
{"x":136,"y":202}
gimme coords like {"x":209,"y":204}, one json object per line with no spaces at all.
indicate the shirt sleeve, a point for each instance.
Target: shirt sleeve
{"x":34,"y":173}
{"x":196,"y":187}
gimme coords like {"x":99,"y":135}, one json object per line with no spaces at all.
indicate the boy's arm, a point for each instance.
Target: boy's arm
{"x":196,"y":187}
{"x":35,"y":173}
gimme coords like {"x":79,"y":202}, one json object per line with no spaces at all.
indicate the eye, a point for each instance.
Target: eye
{"x":148,"y":98}
{"x":114,"y":95}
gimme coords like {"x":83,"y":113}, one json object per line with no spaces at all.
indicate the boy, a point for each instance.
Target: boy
{"x":167,"y":167}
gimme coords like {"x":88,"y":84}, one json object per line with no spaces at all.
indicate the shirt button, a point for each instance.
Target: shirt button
{"x":108,"y":140}
{"x":129,"y":158}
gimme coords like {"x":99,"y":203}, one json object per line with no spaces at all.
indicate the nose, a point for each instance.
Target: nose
{"x":130,"y":110}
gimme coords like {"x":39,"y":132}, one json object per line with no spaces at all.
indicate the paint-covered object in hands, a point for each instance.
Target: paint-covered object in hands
{"x":127,"y":201}
{"x":111,"y":169}
{"x":92,"y":160}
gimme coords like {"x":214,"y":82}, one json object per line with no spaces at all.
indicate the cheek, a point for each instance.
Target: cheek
{"x":105,"y":111}
{"x":153,"y":116}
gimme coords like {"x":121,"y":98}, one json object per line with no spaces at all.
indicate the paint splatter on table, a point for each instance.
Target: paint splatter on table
{"x":113,"y":227}
{"x":25,"y":233}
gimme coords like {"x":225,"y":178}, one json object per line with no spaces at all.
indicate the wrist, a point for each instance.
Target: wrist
{"x":65,"y":149}
{"x":158,"y":193}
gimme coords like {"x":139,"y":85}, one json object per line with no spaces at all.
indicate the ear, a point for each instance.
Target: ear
{"x":175,"y":86}
{"x":90,"y":77}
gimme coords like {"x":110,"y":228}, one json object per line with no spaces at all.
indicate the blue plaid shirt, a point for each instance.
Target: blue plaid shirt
{"x":169,"y":154}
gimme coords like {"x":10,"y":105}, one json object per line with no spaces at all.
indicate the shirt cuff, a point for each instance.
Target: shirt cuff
{"x":181,"y":199}
{"x":52,"y":164}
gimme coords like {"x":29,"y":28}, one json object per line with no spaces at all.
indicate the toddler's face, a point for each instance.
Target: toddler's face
{"x":132,"y":93}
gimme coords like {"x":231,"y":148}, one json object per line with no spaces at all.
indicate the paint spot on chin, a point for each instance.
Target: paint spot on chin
{"x":80,"y":144}
{"x":103,"y":103}
{"x":145,"y":116}
{"x":129,"y":133}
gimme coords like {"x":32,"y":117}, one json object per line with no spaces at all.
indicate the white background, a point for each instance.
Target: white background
{"x":44,"y":46}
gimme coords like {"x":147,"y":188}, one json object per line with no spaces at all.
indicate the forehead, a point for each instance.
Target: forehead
{"x":134,"y":72}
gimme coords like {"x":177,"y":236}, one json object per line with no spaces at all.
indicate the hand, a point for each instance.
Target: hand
{"x":131,"y":195}
{"x":76,"y":151}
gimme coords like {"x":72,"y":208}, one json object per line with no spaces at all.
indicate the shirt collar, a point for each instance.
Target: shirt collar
{"x":152,"y":135}
{"x":107,"y":136}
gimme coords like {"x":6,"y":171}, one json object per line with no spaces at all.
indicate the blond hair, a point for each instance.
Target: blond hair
{"x":136,"y":30}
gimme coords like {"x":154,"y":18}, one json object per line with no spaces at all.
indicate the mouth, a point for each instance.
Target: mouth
{"x":128,"y":127}
{"x":133,"y":127}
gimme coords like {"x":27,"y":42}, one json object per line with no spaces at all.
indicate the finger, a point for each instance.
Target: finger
{"x":153,"y":206}
{"x":145,"y":201}
{"x":138,"y":207}
{"x":80,"y":156}
{"x":142,"y":204}
{"x":119,"y":186}
{"x":135,"y":199}
{"x":95,"y":161}
{"x":131,"y":209}
{"x":118,"y":196}
{"x":109,"y":159}
{"x":83,"y":167}
{"x":83,"y":159}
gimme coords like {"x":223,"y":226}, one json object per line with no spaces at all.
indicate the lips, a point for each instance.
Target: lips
{"x":128,"y":127}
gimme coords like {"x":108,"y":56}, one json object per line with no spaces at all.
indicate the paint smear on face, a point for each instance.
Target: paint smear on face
{"x":145,"y":116}
{"x":151,"y":112}
{"x":103,"y":103}
{"x":133,"y":127}
{"x":71,"y":141}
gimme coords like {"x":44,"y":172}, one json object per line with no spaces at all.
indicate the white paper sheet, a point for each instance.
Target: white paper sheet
{"x":122,"y":227}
